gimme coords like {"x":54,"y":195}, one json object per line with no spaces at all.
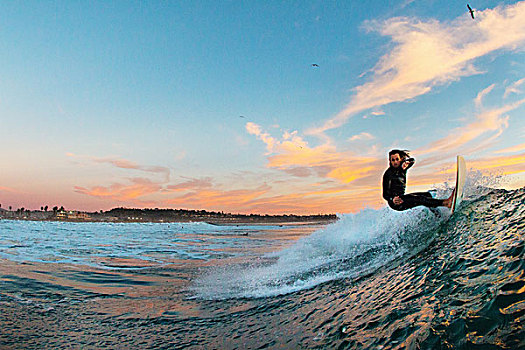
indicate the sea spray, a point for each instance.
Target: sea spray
{"x":354,"y":246}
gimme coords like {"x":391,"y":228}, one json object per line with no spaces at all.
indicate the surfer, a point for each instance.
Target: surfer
{"x":394,"y":184}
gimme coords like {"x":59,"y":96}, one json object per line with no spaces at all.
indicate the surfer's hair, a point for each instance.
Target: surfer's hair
{"x":403,"y":154}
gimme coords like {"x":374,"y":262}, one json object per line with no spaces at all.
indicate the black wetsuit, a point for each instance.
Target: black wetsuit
{"x":394,"y":184}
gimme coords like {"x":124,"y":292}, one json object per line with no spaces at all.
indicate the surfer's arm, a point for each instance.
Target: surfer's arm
{"x":407,"y":163}
{"x":386,"y":187}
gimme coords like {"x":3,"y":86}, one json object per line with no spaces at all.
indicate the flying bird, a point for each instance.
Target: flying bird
{"x":471,"y":11}
{"x":315,"y":65}
{"x":243,"y":117}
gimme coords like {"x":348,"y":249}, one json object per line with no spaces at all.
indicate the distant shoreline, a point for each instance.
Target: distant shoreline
{"x":127,"y":215}
{"x":230,"y":223}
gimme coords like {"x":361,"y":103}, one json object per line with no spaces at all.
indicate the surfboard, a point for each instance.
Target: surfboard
{"x":461,"y":176}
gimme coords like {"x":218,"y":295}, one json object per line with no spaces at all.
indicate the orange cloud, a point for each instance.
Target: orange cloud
{"x":295,"y":157}
{"x":327,"y":162}
{"x":337,"y":199}
{"x":216,"y":199}
{"x":139,"y":187}
{"x":506,"y":165}
{"x":503,"y":165}
{"x":314,"y":198}
{"x":360,"y":175}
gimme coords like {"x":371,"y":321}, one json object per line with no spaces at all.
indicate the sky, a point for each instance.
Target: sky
{"x":217,"y":105}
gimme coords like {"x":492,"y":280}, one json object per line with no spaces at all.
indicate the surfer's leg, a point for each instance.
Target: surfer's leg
{"x":423,"y":194}
{"x":412,"y":200}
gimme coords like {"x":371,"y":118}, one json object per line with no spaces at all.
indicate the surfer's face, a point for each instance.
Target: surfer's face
{"x":395,"y":160}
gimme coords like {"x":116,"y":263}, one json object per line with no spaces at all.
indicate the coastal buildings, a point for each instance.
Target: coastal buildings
{"x":72,"y":215}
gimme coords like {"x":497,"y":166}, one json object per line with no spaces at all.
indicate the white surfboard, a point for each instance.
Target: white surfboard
{"x":461,"y":176}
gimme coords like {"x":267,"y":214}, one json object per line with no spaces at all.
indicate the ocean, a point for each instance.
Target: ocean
{"x":376,"y":279}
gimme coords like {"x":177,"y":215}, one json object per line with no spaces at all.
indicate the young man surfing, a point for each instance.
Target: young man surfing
{"x":394,"y":184}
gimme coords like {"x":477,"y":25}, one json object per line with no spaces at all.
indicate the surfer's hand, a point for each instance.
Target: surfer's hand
{"x":407,"y":162}
{"x":397,"y":200}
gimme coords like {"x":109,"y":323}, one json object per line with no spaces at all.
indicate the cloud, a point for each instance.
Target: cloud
{"x":119,"y":163}
{"x":335,"y":199}
{"x":506,"y":165}
{"x":7,"y":189}
{"x":512,"y":149}
{"x":217,"y":199}
{"x":294,"y":156}
{"x":192,"y":184}
{"x":255,"y":129}
{"x":361,"y":173}
{"x":124,"y":164}
{"x":375,"y":113}
{"x":299,"y":171}
{"x":514,"y":88}
{"x":139,"y":187}
{"x":134,"y":190}
{"x":478,"y":101}
{"x":428,"y":53}
{"x":362,"y":136}
{"x":290,"y":142}
{"x":316,"y":198}
{"x":473,"y":137}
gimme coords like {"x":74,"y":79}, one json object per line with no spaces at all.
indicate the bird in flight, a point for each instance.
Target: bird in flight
{"x":471,"y":11}
{"x":243,"y":117}
{"x":315,"y":65}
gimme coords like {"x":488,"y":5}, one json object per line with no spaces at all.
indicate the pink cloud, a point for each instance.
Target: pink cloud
{"x":139,"y":187}
{"x":191,"y":184}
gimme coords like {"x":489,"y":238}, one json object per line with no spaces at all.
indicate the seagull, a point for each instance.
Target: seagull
{"x":471,"y":11}
{"x":315,"y":65}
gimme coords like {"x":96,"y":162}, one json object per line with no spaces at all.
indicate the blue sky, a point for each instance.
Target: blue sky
{"x":108,"y":104}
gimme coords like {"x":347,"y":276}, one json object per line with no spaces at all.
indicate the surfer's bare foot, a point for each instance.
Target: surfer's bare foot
{"x":448,"y":202}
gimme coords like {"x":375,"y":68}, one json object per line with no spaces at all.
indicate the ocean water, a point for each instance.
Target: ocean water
{"x":377,"y":279}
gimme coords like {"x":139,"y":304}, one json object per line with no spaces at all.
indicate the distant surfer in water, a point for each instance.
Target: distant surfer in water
{"x":394,"y":184}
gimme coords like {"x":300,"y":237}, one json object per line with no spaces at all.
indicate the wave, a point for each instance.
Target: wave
{"x":353,"y":247}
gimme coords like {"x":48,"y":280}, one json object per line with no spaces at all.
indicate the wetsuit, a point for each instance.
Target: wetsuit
{"x":394,"y":184}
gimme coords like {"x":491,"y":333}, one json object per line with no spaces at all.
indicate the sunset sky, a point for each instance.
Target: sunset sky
{"x":216,"y":105}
